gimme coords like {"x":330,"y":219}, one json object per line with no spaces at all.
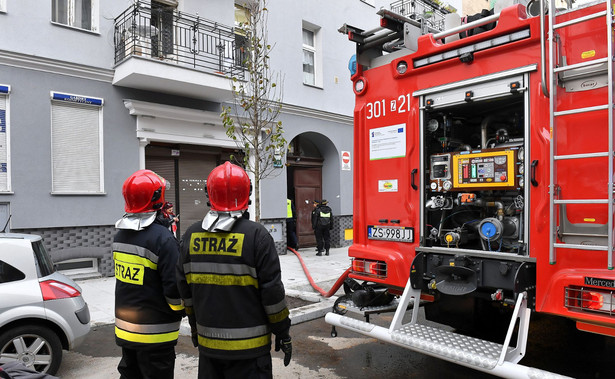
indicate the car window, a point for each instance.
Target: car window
{"x":44,"y":264}
{"x":9,"y":273}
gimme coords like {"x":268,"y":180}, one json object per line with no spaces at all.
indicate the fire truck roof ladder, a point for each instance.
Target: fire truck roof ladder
{"x":600,"y":236}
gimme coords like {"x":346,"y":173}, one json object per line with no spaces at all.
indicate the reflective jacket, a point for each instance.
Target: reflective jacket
{"x":148,"y":308}
{"x":232,"y":287}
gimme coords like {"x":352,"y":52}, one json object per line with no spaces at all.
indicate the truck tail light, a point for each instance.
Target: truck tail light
{"x":53,"y":290}
{"x":370,"y":268}
{"x":590,"y":299}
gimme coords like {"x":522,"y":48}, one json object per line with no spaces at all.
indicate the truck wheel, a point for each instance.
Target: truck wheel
{"x":34,"y":346}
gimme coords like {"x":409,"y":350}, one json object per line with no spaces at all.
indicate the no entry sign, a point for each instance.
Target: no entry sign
{"x":345,"y":160}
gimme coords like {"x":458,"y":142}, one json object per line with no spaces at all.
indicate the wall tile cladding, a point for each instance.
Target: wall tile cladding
{"x":58,"y":240}
{"x":95,"y":240}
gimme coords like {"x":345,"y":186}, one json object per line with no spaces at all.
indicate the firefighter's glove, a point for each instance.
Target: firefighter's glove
{"x":284,"y":342}
{"x":195,"y":338}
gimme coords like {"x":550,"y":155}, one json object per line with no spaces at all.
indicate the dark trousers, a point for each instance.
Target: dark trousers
{"x":291,"y":234}
{"x":147,"y":364}
{"x":255,"y":368}
{"x":323,"y":238}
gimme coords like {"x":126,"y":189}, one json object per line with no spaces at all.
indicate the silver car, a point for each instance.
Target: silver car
{"x":42,"y":311}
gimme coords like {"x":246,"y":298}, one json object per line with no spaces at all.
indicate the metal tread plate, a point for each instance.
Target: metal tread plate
{"x":351,"y":307}
{"x":457,"y":347}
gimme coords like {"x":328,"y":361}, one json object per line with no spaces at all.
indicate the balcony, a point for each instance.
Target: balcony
{"x":174,"y":52}
{"x":431,"y":12}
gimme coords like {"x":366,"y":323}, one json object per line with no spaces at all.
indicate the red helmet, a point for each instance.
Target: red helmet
{"x":228,"y":188}
{"x":144,"y":192}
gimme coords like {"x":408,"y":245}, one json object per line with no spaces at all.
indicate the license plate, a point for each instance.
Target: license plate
{"x":390,"y":233}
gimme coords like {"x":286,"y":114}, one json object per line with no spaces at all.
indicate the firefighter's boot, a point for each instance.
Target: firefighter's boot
{"x":319,"y":253}
{"x":327,"y":252}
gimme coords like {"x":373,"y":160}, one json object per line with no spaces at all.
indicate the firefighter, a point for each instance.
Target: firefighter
{"x":229,"y":277}
{"x":322,"y":224}
{"x":148,"y":308}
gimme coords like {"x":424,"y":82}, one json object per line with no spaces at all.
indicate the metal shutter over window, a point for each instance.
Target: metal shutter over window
{"x":194,"y":168}
{"x":164,"y":167}
{"x":76,"y":148}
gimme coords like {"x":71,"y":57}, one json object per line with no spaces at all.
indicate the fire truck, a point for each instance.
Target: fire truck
{"x":483,"y":179}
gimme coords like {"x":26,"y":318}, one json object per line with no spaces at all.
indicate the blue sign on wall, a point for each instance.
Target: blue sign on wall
{"x":77,"y":99}
{"x":2,"y":121}
{"x":4,"y":89}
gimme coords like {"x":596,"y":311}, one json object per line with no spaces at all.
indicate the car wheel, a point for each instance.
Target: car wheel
{"x":36,"y":347}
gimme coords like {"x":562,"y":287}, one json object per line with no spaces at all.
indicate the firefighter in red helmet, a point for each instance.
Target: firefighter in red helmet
{"x":229,"y":277}
{"x":148,"y":308}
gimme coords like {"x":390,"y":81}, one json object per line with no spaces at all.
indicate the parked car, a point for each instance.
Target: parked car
{"x":42,"y":311}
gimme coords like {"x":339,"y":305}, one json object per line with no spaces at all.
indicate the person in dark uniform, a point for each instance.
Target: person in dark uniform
{"x":229,"y":277}
{"x":291,"y":226}
{"x":322,"y":223}
{"x":148,"y":308}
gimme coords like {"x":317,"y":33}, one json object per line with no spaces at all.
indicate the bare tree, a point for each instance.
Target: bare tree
{"x":252,"y":120}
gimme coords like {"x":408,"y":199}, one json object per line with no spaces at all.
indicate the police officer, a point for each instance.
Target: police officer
{"x":229,"y":277}
{"x":148,"y":308}
{"x":322,"y":223}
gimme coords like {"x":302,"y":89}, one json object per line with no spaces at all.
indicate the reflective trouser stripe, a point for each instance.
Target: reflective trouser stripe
{"x":251,"y":343}
{"x":146,"y":338}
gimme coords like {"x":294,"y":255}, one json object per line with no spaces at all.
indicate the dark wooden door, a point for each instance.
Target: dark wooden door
{"x":308,"y":186}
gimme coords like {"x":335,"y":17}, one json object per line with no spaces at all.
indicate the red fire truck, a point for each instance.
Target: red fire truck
{"x":484,"y":178}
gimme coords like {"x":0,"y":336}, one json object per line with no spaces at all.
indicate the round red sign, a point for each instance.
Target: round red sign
{"x":346,"y":157}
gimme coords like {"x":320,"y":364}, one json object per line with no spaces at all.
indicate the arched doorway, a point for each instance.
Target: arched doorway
{"x":304,"y":184}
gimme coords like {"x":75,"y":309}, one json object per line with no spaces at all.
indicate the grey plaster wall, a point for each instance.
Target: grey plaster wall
{"x":331,"y":137}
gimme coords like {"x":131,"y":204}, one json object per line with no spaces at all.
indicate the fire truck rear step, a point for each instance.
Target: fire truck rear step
{"x":494,"y":358}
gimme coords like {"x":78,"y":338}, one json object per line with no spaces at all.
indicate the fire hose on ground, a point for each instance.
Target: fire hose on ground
{"x":333,"y":289}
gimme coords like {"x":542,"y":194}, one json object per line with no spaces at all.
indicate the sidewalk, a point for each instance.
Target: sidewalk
{"x":325,"y":270}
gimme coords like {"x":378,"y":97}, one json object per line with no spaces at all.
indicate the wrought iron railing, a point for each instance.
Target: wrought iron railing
{"x":168,"y":35}
{"x":431,"y":12}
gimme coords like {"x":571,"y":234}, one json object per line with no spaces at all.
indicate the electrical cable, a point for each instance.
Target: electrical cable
{"x":333,"y":289}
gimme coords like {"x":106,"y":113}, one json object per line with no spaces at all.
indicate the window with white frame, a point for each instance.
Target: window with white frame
{"x":309,"y":57}
{"x":82,"y":14}
{"x":312,"y":55}
{"x":5,"y":149}
{"x":3,"y":6}
{"x":76,"y":144}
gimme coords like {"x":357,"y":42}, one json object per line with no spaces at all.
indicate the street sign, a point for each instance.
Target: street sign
{"x":346,"y":160}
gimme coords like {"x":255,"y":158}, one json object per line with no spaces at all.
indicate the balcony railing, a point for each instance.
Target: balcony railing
{"x":164,"y":34}
{"x":432,"y":12}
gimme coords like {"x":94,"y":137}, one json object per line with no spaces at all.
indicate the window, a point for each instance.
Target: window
{"x":3,"y":6}
{"x":82,"y":14}
{"x":311,"y":56}
{"x":5,"y":149}
{"x":76,"y":144}
{"x":9,"y":273}
{"x":242,"y":20}
{"x":308,"y":57}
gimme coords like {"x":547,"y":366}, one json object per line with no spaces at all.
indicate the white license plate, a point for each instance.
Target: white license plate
{"x":390,"y":233}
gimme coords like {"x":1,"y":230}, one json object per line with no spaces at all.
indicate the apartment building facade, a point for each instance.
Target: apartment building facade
{"x":92,"y":90}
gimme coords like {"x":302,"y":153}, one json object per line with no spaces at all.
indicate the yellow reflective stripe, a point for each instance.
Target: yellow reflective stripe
{"x":146,"y":338}
{"x":251,"y":343}
{"x":278,"y":316}
{"x":176,"y":307}
{"x":221,"y":280}
{"x":130,"y":258}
